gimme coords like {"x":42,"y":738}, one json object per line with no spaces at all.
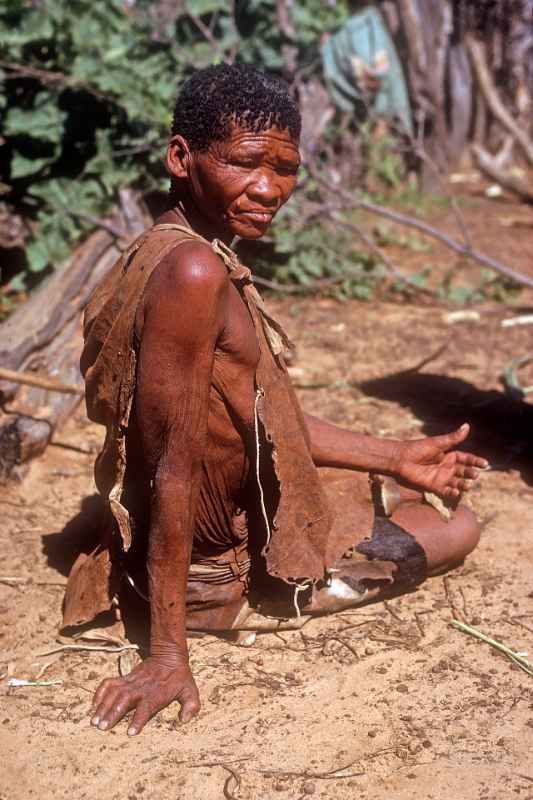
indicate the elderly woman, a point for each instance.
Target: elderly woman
{"x":209,"y":467}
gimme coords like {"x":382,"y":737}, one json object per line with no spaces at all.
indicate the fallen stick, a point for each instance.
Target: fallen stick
{"x":489,"y":167}
{"x":84,"y":647}
{"x":453,"y":244}
{"x":29,"y":379}
{"x":461,"y":248}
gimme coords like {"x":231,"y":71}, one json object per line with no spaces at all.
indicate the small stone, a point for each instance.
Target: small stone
{"x":401,"y":687}
{"x":372,"y":733}
{"x":369,"y":650}
{"x":309,"y":787}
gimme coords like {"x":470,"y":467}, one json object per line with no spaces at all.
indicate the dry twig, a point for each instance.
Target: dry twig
{"x":30,"y":379}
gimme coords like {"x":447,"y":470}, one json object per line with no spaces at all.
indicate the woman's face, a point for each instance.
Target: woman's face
{"x":240,"y":183}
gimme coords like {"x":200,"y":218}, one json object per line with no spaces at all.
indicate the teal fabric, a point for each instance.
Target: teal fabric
{"x":365,"y":37}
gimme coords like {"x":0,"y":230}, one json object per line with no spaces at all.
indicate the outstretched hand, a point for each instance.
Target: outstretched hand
{"x":147,"y":689}
{"x":433,"y":465}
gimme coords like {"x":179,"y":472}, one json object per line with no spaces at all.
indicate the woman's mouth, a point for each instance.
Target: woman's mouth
{"x":263,"y":217}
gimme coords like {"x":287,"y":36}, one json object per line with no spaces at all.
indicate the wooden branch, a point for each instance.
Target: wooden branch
{"x":411,"y":23}
{"x":373,"y":247}
{"x":489,"y":166}
{"x":492,"y":98}
{"x":453,"y":244}
{"x":29,"y":379}
{"x":47,"y":76}
{"x":284,"y":19}
{"x":208,"y":35}
{"x":462,"y":248}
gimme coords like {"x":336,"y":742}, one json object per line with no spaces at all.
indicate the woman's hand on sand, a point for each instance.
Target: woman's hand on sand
{"x":149,"y":687}
{"x":433,"y":465}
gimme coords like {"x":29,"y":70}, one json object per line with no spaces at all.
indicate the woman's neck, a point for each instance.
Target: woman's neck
{"x":182,"y":206}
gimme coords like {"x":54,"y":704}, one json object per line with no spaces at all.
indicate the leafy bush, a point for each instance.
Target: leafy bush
{"x":87,"y":97}
{"x":87,"y":90}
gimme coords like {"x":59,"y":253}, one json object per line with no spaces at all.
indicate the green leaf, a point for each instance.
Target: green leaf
{"x":21,"y":166}
{"x":44,"y":121}
{"x":37,"y":255}
{"x":201,"y":7}
{"x":33,"y":24}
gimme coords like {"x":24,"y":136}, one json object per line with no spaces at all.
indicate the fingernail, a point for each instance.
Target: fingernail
{"x":132,"y":731}
{"x":95,"y":720}
{"x":103,"y":725}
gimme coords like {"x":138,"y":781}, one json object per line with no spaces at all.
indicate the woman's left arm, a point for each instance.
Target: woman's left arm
{"x":431,"y":464}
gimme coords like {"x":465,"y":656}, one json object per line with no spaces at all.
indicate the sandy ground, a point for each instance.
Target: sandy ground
{"x":385,"y":701}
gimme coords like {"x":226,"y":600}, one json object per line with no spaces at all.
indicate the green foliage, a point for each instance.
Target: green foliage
{"x":88,"y":88}
{"x":305,"y":250}
{"x":489,"y":287}
{"x":88,"y":96}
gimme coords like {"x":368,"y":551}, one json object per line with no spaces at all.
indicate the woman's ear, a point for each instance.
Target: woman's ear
{"x":178,"y":157}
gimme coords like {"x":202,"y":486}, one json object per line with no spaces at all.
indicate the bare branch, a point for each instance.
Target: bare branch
{"x":453,"y":244}
{"x":208,"y":35}
{"x":489,"y":92}
{"x":47,"y":76}
{"x":411,"y":222}
{"x":373,"y":247}
{"x":116,"y":232}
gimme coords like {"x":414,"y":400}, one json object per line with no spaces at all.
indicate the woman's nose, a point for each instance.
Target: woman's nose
{"x":264,"y":189}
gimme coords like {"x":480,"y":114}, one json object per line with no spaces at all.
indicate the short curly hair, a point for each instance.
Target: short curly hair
{"x":214,"y":98}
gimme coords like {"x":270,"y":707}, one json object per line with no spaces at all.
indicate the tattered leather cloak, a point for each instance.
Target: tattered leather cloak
{"x":297,"y":536}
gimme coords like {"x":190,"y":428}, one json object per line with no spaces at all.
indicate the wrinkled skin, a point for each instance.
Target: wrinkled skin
{"x":193,"y":321}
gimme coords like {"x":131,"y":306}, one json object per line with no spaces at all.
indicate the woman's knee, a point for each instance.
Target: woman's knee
{"x":445,"y":543}
{"x":460,"y":537}
{"x":468,"y":531}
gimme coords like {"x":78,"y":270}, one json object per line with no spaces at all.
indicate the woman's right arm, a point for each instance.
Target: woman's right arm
{"x":184,"y":314}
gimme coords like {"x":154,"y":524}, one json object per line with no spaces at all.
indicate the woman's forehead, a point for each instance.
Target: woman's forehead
{"x":240,"y":136}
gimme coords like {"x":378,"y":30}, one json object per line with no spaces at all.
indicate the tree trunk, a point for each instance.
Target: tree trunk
{"x":44,"y":336}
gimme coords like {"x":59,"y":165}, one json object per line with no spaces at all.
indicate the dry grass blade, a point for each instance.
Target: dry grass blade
{"x":519,"y":660}
{"x":14,"y":682}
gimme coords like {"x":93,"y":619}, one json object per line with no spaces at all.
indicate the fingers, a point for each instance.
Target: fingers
{"x":190,"y":706}
{"x":143,"y":713}
{"x":114,"y":705}
{"x":472,"y":460}
{"x":449,"y":440}
{"x":102,"y":690}
{"x":458,"y":486}
{"x":190,"y":703}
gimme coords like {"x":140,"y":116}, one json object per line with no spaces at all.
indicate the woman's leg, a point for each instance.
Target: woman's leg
{"x":403,"y":549}
{"x":445,"y":543}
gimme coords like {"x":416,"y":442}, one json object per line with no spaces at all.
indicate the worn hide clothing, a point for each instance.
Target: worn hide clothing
{"x":283,"y":527}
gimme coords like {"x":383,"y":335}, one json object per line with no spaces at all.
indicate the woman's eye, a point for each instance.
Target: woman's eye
{"x":245,"y":163}
{"x":289,"y":170}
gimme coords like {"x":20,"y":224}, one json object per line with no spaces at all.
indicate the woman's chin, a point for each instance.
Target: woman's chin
{"x":249,"y":230}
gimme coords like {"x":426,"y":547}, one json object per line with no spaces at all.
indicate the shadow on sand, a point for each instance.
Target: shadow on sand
{"x":81,"y":534}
